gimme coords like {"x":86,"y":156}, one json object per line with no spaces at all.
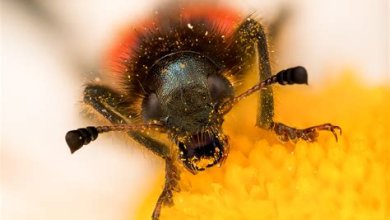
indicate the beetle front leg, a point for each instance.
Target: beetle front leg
{"x":110,"y":104}
{"x":310,"y":134}
{"x":172,"y":176}
{"x":251,"y":37}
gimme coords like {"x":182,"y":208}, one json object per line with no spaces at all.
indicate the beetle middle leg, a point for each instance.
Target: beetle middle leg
{"x":111,"y":105}
{"x":251,"y":37}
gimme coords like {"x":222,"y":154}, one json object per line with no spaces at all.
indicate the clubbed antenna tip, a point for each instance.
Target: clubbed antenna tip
{"x":295,"y":75}
{"x":77,"y":138}
{"x":82,"y":136}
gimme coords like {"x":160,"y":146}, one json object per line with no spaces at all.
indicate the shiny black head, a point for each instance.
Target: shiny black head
{"x":183,"y":93}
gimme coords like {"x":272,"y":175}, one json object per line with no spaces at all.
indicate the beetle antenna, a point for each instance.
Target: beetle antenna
{"x":295,"y":75}
{"x":83,"y":136}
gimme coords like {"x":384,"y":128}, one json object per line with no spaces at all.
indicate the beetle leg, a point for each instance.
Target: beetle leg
{"x":310,"y":134}
{"x":249,"y":35}
{"x":172,"y":176}
{"x":110,"y":104}
{"x":249,"y":38}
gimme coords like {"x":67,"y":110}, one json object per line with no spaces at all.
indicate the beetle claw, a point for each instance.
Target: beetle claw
{"x":286,"y":133}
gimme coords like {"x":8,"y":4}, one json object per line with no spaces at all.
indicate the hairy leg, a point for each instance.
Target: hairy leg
{"x":108,"y":103}
{"x":172,"y":176}
{"x":250,"y":35}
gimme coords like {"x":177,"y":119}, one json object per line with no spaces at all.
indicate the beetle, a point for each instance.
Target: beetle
{"x":176,"y":74}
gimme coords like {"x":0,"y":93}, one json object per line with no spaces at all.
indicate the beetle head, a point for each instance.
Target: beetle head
{"x":184,"y":91}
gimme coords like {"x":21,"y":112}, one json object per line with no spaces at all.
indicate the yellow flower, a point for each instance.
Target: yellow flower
{"x":265,"y":179}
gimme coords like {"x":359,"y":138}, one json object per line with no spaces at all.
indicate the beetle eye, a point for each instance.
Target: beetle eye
{"x":151,"y":108}
{"x":219,"y":87}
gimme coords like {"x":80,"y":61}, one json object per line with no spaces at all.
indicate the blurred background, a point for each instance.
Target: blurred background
{"x":49,"y":49}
